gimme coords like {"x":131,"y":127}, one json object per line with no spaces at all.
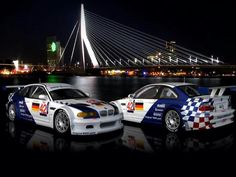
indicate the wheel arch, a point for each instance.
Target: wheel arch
{"x":178,"y":110}
{"x":68,"y":112}
{"x":7,"y":109}
{"x":118,"y":105}
{"x":175,"y":108}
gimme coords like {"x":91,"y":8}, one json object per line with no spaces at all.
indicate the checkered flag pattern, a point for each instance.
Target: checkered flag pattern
{"x":194,"y":118}
{"x":193,"y":145}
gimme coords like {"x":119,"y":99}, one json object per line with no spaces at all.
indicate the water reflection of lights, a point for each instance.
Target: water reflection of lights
{"x":87,"y":84}
{"x":132,"y":139}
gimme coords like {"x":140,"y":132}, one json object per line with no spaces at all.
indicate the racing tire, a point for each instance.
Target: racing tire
{"x":172,"y":121}
{"x":11,"y":112}
{"x":62,"y":123}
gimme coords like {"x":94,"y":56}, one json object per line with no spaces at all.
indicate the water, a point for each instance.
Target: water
{"x":112,"y":88}
{"x":135,"y":142}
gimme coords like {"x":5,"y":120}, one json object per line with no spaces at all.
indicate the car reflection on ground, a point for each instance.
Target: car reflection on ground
{"x":133,"y":138}
{"x":40,"y":139}
{"x":151,"y":139}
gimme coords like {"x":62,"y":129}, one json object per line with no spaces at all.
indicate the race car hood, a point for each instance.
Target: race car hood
{"x":86,"y":102}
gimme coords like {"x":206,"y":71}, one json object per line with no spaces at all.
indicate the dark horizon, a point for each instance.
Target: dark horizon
{"x":205,"y":27}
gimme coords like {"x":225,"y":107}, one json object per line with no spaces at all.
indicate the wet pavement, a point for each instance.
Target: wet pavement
{"x":134,"y":147}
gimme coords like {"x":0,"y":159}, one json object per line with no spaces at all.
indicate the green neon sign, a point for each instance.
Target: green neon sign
{"x":53,"y":47}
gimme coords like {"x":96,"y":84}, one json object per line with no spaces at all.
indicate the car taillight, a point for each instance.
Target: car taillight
{"x":206,"y":107}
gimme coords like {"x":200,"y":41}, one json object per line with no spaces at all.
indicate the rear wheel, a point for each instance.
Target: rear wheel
{"x":62,"y":122}
{"x":172,"y":121}
{"x":11,"y":112}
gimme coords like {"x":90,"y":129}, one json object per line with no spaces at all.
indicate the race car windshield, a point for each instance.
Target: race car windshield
{"x":66,"y":94}
{"x":190,"y":90}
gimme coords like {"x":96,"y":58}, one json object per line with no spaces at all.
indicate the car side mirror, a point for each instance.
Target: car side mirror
{"x":131,"y":96}
{"x":43,"y":97}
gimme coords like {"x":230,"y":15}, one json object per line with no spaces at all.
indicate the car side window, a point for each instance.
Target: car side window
{"x":191,"y":91}
{"x":35,"y":91}
{"x":23,"y":92}
{"x":168,"y":93}
{"x":150,"y":92}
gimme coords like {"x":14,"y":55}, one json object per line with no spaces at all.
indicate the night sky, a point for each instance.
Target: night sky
{"x":203,"y":26}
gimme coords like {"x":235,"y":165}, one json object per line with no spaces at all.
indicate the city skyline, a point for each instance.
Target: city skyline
{"x":205,"y":27}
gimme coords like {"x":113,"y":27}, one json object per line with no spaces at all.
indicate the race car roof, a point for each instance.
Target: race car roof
{"x":54,"y":86}
{"x":173,"y":84}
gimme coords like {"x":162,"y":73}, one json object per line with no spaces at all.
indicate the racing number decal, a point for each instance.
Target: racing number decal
{"x":95,"y":102}
{"x":131,"y":106}
{"x":43,"y":109}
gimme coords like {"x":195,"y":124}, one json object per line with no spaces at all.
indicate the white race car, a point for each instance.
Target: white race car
{"x":64,"y":108}
{"x":176,"y":106}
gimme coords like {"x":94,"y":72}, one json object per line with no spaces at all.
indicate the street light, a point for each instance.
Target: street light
{"x":16,"y":64}
{"x":212,"y":59}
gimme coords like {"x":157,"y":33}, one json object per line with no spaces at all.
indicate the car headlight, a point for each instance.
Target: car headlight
{"x":88,"y":115}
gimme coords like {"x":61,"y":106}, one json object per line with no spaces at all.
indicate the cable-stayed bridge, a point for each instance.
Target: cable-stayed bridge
{"x":108,"y":44}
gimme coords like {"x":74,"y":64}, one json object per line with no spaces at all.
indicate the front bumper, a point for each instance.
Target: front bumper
{"x":212,"y":120}
{"x":96,"y":126}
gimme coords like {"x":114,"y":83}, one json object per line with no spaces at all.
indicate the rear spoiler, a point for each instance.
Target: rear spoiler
{"x":5,"y":88}
{"x":216,"y":91}
{"x":14,"y":86}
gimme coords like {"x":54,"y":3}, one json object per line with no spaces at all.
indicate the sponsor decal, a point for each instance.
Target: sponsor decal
{"x":161,"y":106}
{"x":131,"y":106}
{"x":155,"y":113}
{"x":152,"y":118}
{"x":43,"y":109}
{"x":22,"y":111}
{"x":139,"y":106}
{"x":159,"y":110}
{"x":95,"y":102}
{"x":21,"y":107}
{"x":35,"y":107}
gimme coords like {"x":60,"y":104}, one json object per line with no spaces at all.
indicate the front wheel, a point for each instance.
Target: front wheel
{"x":172,"y":121}
{"x":62,"y":122}
{"x":11,"y":112}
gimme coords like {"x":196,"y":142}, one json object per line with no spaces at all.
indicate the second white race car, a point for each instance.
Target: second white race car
{"x":176,"y":106}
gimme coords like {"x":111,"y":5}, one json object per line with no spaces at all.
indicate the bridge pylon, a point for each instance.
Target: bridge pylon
{"x":85,"y":42}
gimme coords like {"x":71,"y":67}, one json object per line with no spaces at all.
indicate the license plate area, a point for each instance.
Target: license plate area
{"x":221,"y":106}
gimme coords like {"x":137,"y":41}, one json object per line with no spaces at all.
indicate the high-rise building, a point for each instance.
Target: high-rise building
{"x":53,"y":51}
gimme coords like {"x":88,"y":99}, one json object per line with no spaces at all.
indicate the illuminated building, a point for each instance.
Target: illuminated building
{"x":53,"y":51}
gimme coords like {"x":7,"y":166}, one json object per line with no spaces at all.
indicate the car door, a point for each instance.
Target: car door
{"x":141,"y":102}
{"x":21,"y":106}
{"x":38,"y":107}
